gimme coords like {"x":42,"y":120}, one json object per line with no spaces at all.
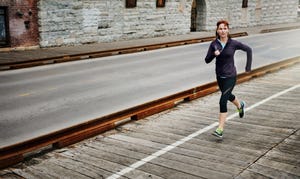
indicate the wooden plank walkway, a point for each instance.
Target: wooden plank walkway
{"x":178,"y":143}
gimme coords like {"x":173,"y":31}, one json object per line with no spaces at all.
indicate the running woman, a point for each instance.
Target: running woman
{"x":223,"y":49}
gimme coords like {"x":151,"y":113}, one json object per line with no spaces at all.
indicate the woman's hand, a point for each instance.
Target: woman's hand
{"x":217,"y":53}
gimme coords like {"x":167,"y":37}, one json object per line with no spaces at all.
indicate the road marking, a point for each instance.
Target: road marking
{"x":24,"y":94}
{"x":191,"y":136}
{"x":36,"y":92}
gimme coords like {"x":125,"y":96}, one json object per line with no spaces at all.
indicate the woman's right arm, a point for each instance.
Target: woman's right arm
{"x":210,"y":53}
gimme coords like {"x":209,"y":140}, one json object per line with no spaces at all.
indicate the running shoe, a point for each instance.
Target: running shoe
{"x":241,"y":110}
{"x":218,"y":133}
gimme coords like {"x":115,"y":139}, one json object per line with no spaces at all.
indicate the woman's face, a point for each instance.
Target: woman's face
{"x":223,"y":31}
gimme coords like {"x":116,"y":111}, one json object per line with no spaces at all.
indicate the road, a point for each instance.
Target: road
{"x":40,"y":100}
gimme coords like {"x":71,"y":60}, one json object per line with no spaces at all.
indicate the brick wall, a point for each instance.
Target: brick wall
{"x":23,"y":26}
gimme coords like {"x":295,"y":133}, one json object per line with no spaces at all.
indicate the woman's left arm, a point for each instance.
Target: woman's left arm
{"x":248,"y":50}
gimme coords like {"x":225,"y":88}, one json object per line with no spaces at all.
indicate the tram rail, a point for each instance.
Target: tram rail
{"x":16,"y":153}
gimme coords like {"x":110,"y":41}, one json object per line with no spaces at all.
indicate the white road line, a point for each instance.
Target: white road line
{"x":191,"y":136}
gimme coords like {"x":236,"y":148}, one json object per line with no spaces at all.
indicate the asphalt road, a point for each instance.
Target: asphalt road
{"x":39,"y":100}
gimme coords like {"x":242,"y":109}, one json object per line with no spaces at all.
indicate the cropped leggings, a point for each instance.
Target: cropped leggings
{"x":226,"y":86}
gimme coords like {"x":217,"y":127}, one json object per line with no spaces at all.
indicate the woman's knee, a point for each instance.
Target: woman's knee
{"x":223,"y":105}
{"x":231,"y":97}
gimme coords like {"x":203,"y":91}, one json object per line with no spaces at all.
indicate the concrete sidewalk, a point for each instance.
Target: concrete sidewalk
{"x":9,"y":56}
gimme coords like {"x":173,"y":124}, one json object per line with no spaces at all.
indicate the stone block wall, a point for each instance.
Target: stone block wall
{"x":64,"y":22}
{"x":76,"y":22}
{"x":258,"y":12}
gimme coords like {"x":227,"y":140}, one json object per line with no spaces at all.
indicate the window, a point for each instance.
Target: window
{"x":160,"y":3}
{"x":3,"y":27}
{"x":245,"y":4}
{"x":130,"y":3}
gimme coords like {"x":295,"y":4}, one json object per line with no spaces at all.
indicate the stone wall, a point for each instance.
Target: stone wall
{"x":258,"y":12}
{"x":64,"y":22}
{"x":75,"y":22}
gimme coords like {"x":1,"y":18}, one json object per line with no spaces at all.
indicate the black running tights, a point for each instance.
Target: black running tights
{"x":226,"y":86}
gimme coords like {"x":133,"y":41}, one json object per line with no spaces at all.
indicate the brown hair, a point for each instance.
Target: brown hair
{"x":226,"y":23}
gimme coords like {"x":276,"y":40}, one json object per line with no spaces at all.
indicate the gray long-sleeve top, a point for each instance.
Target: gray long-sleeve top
{"x":225,"y":61}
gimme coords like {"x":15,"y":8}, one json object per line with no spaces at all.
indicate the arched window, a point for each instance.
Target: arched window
{"x":245,"y":4}
{"x":160,"y":3}
{"x":130,"y":3}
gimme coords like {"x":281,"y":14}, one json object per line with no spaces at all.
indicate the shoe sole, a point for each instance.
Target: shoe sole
{"x":216,"y":135}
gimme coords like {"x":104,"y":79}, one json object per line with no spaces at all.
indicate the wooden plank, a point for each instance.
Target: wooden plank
{"x":251,"y":174}
{"x":123,"y":159}
{"x":30,"y":172}
{"x":166,"y":171}
{"x":224,"y":151}
{"x":55,"y":171}
{"x":170,"y":157}
{"x":81,"y":167}
{"x":191,"y":169}
{"x":179,"y":150}
{"x":287,"y":168}
{"x":156,"y":136}
{"x":270,"y":172}
{"x":153,"y":110}
{"x":11,"y":161}
{"x":83,"y":134}
{"x":7,"y":174}
{"x":92,"y":159}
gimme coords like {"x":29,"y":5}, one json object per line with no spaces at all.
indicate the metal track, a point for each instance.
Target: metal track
{"x":16,"y":153}
{"x":89,"y":55}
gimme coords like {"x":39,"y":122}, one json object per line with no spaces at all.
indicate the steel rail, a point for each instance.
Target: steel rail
{"x":88,"y":55}
{"x":279,"y":29}
{"x":16,"y":153}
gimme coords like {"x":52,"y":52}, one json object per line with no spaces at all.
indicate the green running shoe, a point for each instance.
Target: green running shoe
{"x":242,"y":110}
{"x":218,"y":133}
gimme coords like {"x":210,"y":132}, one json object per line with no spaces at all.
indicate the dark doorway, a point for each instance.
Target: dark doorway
{"x":198,"y":15}
{"x":194,"y":16}
{"x":3,"y":27}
